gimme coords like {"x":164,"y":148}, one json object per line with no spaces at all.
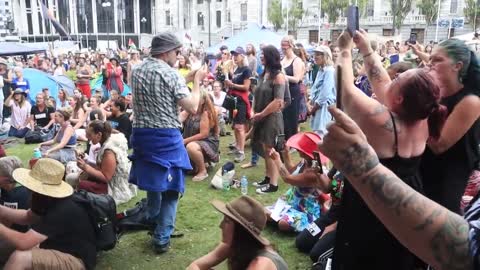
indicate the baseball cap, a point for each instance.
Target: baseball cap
{"x":238,"y":50}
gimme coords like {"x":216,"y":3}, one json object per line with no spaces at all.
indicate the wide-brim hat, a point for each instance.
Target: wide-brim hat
{"x":46,"y":178}
{"x":164,"y":42}
{"x":306,"y":142}
{"x":247,"y":212}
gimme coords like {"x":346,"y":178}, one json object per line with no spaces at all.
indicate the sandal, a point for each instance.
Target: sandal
{"x":248,"y":165}
{"x":198,"y":178}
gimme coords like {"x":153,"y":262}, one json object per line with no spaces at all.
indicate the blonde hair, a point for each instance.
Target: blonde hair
{"x":290,"y":40}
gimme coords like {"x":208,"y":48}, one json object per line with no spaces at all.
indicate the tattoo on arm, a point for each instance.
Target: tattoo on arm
{"x":449,"y":244}
{"x":374,"y":73}
{"x":388,"y":125}
{"x":357,"y":160}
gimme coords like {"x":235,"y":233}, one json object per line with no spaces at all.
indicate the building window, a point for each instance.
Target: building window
{"x":200,"y":18}
{"x":167,"y":2}
{"x":29,"y":17}
{"x":243,"y":12}
{"x":370,"y":6}
{"x":125,"y":16}
{"x":387,"y":32}
{"x":219,"y":19}
{"x":219,"y":0}
{"x":228,"y":16}
{"x":167,"y":18}
{"x":199,"y":2}
{"x":453,"y":6}
{"x":105,"y":17}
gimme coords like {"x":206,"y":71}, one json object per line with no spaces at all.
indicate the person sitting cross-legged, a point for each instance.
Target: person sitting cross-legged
{"x":109,"y":174}
{"x":242,"y":244}
{"x":200,"y":133}
{"x":61,"y":234}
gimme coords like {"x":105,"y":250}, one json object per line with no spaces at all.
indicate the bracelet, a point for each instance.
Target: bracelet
{"x":368,"y":54}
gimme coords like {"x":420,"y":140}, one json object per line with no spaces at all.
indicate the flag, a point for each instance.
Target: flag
{"x":187,"y":36}
{"x":131,"y":44}
{"x":47,"y":14}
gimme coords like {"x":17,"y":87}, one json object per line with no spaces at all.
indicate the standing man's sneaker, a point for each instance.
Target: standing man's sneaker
{"x":269,"y":188}
{"x":239,"y":156}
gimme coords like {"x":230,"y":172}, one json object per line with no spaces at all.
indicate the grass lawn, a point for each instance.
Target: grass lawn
{"x":196,"y":218}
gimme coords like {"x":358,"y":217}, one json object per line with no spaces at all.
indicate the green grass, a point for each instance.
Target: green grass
{"x":196,"y":218}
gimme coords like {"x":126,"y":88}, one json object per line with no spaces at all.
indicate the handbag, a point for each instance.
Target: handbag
{"x":230,"y":102}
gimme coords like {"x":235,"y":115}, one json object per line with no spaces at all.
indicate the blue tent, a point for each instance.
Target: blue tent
{"x":39,"y":79}
{"x":255,"y":35}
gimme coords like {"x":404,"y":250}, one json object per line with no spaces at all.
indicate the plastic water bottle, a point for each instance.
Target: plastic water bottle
{"x":36,"y":156}
{"x":225,"y":181}
{"x":37,"y":153}
{"x":244,"y":185}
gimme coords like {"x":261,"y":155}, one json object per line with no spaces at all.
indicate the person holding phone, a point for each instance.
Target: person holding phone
{"x":398,"y":124}
{"x":306,"y":201}
{"x":267,"y":117}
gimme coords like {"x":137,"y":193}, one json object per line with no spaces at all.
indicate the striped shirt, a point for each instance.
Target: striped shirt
{"x":156,"y":89}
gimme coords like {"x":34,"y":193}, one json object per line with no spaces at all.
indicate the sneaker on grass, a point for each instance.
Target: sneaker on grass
{"x":269,"y":188}
{"x":239,"y":156}
{"x":264,"y":182}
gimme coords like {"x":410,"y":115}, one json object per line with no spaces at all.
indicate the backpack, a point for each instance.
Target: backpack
{"x":102,"y":210}
{"x":39,"y":135}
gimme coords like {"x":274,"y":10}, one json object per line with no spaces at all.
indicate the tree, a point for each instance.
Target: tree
{"x":472,"y":13}
{"x":296,"y":13}
{"x":362,"y":7}
{"x":334,"y":9}
{"x":400,"y":10}
{"x":429,"y":8}
{"x":274,"y":14}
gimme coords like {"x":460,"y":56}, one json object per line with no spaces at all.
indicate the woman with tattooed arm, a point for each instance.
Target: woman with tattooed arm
{"x":441,"y":238}
{"x":397,"y":125}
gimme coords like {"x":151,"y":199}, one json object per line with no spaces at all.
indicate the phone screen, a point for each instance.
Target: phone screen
{"x":316,"y":156}
{"x":352,"y":20}
{"x":280,"y":142}
{"x":413,"y":38}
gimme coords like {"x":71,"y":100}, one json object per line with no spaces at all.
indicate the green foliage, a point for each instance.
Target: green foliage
{"x":296,"y":14}
{"x":274,"y":14}
{"x":429,"y":8}
{"x":471,"y":9}
{"x":196,"y":218}
{"x":362,"y":7}
{"x":400,"y":10}
{"x":334,"y":9}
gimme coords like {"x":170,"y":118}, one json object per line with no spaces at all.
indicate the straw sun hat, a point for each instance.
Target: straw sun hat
{"x":46,"y":178}
{"x":247,"y":212}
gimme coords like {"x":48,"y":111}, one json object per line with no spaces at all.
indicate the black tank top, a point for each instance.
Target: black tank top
{"x":294,"y":87}
{"x":362,"y":241}
{"x":445,"y":175}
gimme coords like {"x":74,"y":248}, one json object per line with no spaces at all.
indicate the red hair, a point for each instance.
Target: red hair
{"x":421,"y":96}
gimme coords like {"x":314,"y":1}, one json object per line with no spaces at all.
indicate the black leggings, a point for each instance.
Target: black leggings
{"x":316,"y":247}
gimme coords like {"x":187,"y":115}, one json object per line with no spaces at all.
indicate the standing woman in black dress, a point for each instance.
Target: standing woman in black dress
{"x":450,"y":159}
{"x":293,"y":67}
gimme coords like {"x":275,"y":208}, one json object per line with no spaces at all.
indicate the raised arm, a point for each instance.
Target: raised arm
{"x":356,"y":104}
{"x":377,"y":74}
{"x":430,"y":231}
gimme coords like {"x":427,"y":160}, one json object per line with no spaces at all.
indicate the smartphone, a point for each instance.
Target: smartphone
{"x":352,"y":20}
{"x":413,"y":38}
{"x":316,"y":156}
{"x":339,"y":87}
{"x":280,"y":142}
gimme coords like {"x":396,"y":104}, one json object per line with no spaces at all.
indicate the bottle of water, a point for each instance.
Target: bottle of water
{"x":225,"y":181}
{"x":244,"y":185}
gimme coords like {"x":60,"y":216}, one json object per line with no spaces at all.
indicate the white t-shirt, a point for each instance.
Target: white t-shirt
{"x":218,"y":102}
{"x":19,"y":114}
